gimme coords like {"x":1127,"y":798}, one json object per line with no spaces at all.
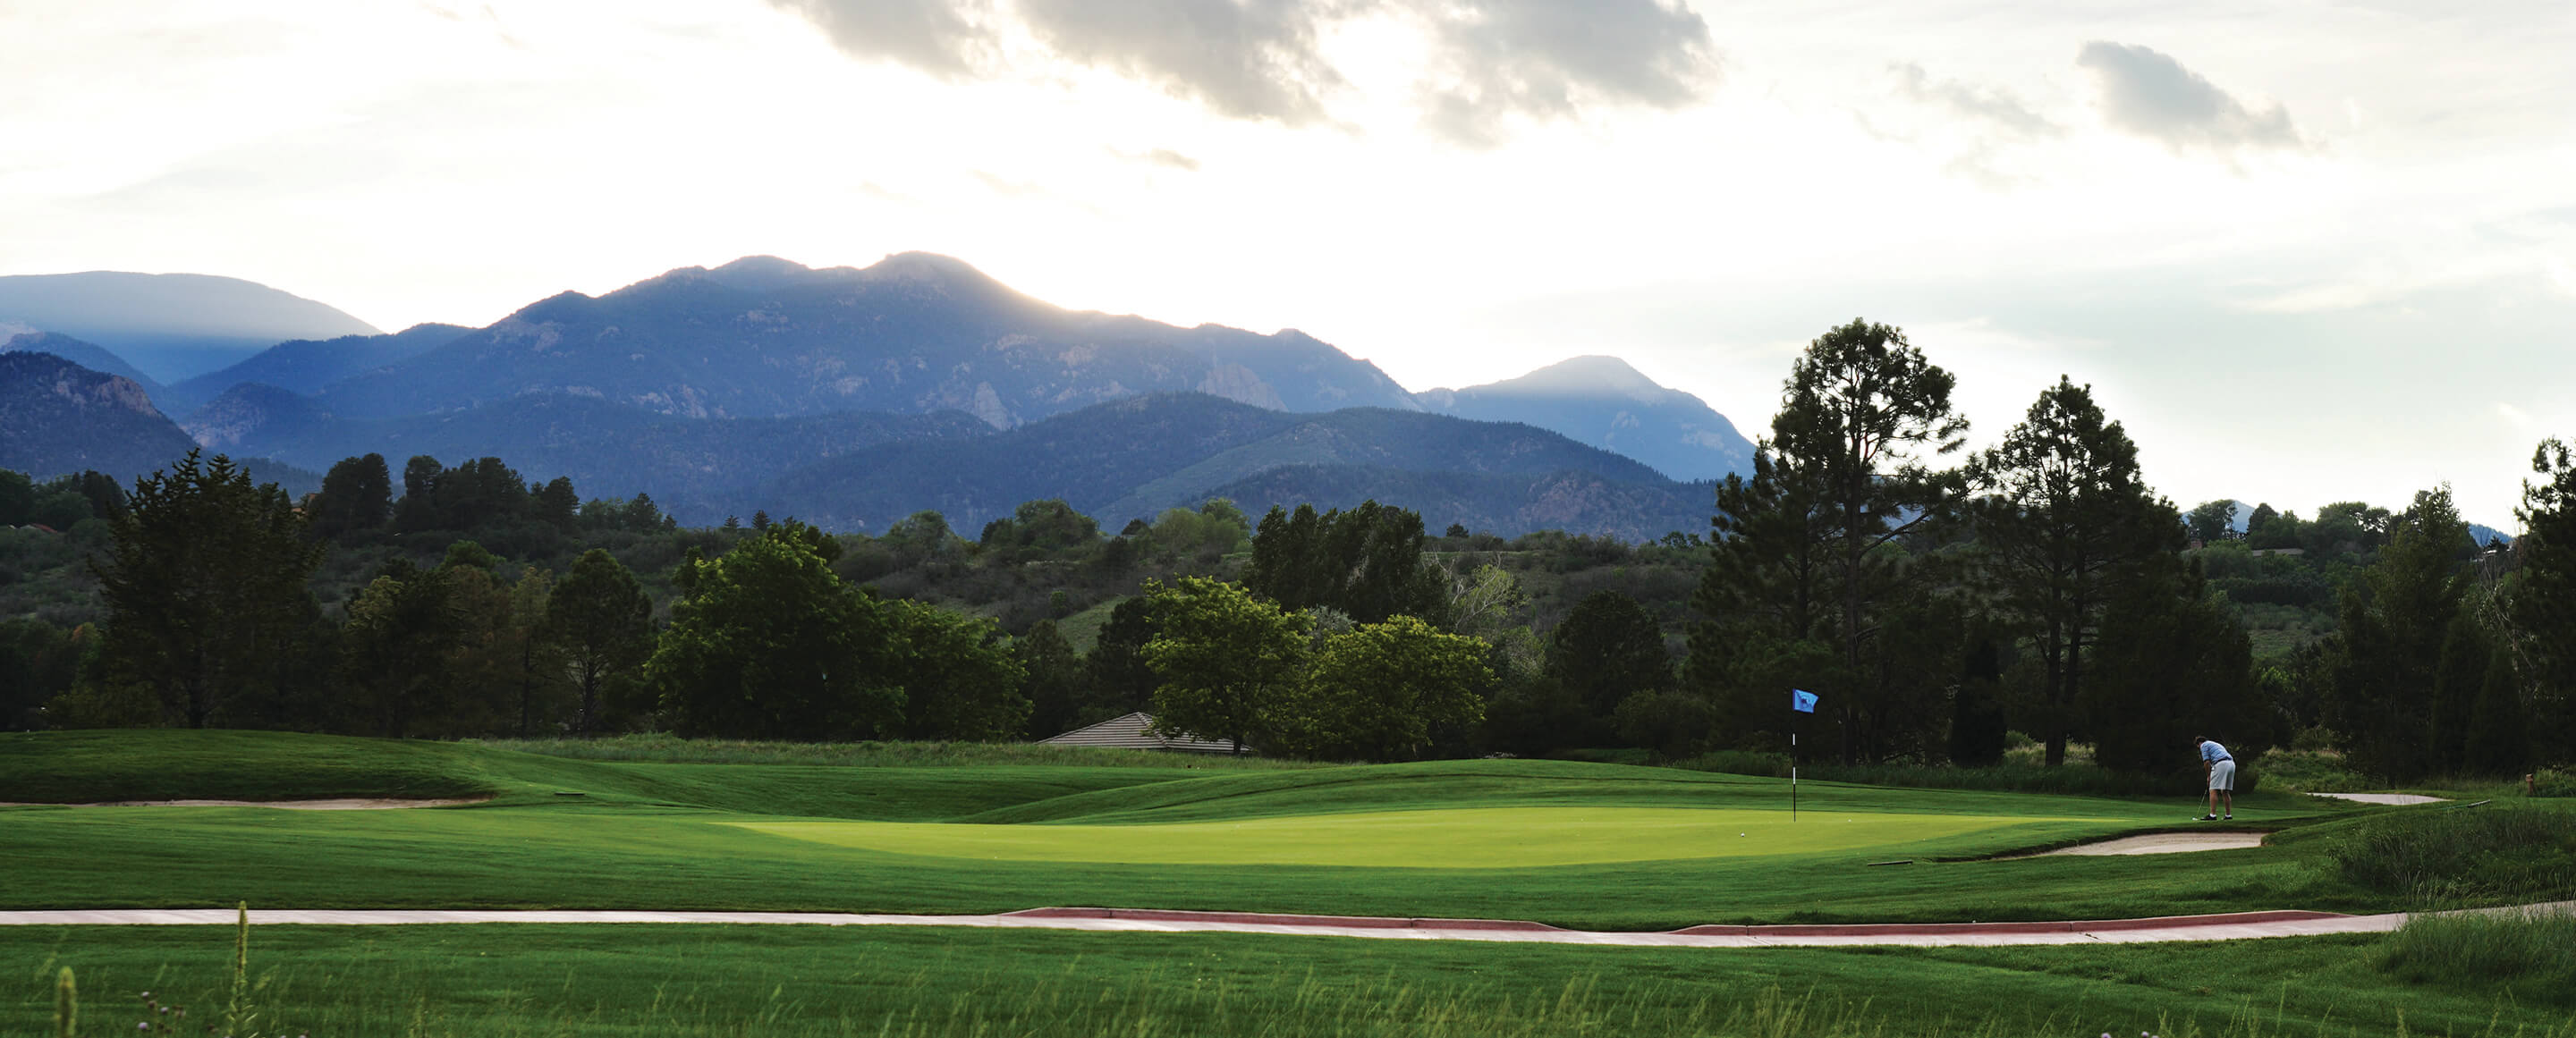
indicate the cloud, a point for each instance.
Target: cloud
{"x":2149,"y":94}
{"x":1253,"y":59}
{"x":945,"y":38}
{"x":1164,"y":157}
{"x":1994,"y":106}
{"x":1488,"y":62}
{"x":1541,"y":59}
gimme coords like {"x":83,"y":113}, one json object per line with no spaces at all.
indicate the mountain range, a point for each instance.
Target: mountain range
{"x":171,"y":326}
{"x":856,"y":396}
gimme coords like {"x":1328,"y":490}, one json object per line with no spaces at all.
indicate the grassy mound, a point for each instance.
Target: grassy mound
{"x":2442,"y":856}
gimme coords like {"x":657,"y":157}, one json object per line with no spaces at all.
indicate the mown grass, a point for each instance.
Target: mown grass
{"x":2075,"y":778}
{"x":509,"y":980}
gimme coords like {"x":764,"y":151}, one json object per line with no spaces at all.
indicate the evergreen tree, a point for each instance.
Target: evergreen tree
{"x":2394,"y":620}
{"x":1977,"y":726}
{"x":1607,"y":648}
{"x":205,"y":588}
{"x":1119,"y":679}
{"x":556,"y":505}
{"x":1053,"y":681}
{"x":602,"y":621}
{"x":2065,"y":521}
{"x":2173,"y":663}
{"x":356,"y":495}
{"x":1366,"y":562}
{"x":2543,"y":603}
{"x":2496,"y":744}
{"x":395,"y":652}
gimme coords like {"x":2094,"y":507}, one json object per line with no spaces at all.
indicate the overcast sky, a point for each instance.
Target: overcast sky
{"x":2306,"y":251}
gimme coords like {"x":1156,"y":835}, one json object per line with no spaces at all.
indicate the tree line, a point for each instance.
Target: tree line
{"x":1938,"y":599}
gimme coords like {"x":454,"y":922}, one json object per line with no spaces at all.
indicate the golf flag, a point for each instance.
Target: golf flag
{"x":1802,"y":701}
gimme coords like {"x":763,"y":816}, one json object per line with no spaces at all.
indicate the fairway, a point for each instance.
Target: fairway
{"x":1460,"y":838}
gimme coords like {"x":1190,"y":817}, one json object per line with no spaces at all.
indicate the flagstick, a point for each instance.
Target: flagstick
{"x":1793,"y":766}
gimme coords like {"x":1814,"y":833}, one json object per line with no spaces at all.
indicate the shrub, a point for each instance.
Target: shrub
{"x":2442,"y":855}
{"x":2553,"y":782}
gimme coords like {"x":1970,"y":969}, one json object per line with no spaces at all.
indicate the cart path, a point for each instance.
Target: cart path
{"x":2226,"y":927}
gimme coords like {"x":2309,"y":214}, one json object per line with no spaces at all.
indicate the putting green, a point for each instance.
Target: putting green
{"x":1467,"y":838}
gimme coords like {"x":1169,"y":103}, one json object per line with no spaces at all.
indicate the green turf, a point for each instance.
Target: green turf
{"x":1457,"y":838}
{"x":577,"y":982}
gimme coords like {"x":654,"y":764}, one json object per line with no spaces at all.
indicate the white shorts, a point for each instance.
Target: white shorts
{"x":2222,"y":775}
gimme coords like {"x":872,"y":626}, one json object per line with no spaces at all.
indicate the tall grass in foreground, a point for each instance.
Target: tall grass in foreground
{"x":671,"y":749}
{"x":2530,"y":952}
{"x":1070,"y":1005}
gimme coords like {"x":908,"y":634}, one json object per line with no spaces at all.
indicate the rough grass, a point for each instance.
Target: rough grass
{"x":671,"y":749}
{"x":2531,"y":954}
{"x":2075,"y":778}
{"x":2456,"y":856}
{"x":799,"y":981}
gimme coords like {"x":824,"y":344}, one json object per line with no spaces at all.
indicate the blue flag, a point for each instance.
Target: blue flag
{"x":1802,"y":702}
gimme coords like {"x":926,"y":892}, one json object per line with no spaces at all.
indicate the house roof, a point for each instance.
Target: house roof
{"x":1128,"y":733}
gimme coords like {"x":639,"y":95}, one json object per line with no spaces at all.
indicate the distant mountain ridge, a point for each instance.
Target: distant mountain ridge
{"x":86,"y":354}
{"x":763,"y":337}
{"x":308,"y":365}
{"x":1133,"y":458}
{"x":170,"y":326}
{"x":1604,"y":402}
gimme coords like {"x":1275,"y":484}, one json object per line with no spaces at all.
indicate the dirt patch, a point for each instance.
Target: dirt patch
{"x":2158,"y":843}
{"x":338,"y":804}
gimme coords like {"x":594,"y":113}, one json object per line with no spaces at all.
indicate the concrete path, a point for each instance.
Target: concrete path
{"x":2228,"y":927}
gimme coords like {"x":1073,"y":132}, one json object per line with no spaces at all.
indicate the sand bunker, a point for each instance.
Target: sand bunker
{"x":2397,"y":799}
{"x":340,"y":804}
{"x":2159,"y":843}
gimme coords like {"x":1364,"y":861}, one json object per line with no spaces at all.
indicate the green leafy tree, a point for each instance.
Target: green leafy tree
{"x":768,"y":643}
{"x":1224,"y":658}
{"x":1379,"y":691}
{"x":204,"y":588}
{"x":954,"y":672}
{"x":17,"y":498}
{"x":2065,"y":520}
{"x":356,"y":496}
{"x":601,"y":620}
{"x":38,"y":661}
{"x":2213,"y":521}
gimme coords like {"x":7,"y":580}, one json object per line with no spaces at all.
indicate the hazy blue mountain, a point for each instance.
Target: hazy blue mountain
{"x":307,"y":365}
{"x":88,"y":355}
{"x":1604,"y":402}
{"x":58,"y":417}
{"x":171,"y":326}
{"x":1132,"y":458}
{"x":916,"y":333}
{"x":698,"y":469}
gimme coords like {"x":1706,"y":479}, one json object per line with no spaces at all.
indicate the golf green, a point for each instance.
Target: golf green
{"x":1470,"y":838}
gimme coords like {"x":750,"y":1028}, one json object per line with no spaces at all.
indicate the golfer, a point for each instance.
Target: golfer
{"x":2221,"y":767}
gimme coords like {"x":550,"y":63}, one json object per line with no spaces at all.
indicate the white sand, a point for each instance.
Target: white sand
{"x":2163,"y":843}
{"x":2396,"y":799}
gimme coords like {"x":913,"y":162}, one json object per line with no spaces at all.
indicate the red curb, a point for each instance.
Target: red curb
{"x":1365,"y":922}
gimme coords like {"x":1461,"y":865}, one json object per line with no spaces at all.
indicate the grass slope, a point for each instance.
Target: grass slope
{"x":654,"y":835}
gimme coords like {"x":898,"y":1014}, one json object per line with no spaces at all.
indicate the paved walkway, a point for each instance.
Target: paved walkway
{"x":2228,"y":927}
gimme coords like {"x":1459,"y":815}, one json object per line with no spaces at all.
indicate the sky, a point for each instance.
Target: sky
{"x":2305,"y":252}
